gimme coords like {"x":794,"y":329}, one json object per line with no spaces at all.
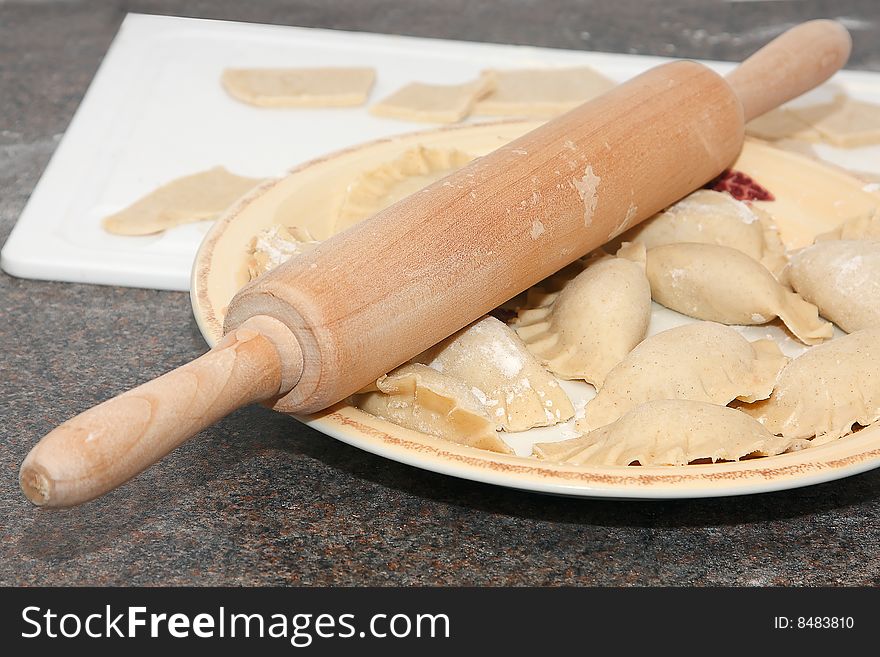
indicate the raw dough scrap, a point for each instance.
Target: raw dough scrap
{"x":711,"y":217}
{"x":780,"y":124}
{"x":516,"y":391}
{"x":826,"y":390}
{"x":420,"y":398}
{"x":721,"y":284}
{"x":846,"y":122}
{"x":587,"y":328}
{"x":196,"y":197}
{"x":276,"y":245}
{"x":541,"y":92}
{"x":864,"y":227}
{"x":299,"y":87}
{"x":433,"y":103}
{"x":378,"y":188}
{"x":842,"y":278}
{"x":704,"y":362}
{"x":669,"y":432}
{"x":797,"y":146}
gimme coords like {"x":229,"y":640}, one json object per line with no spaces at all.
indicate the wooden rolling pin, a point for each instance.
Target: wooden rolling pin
{"x":330,"y":321}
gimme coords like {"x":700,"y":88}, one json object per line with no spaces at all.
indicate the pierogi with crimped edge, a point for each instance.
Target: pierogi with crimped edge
{"x":421,"y":398}
{"x":826,"y":391}
{"x":721,"y":284}
{"x":592,"y":323}
{"x":669,"y":432}
{"x":514,"y":387}
{"x":705,"y":362}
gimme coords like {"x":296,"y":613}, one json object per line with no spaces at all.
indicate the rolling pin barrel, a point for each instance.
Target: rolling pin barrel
{"x":332,"y":320}
{"x":367,"y":300}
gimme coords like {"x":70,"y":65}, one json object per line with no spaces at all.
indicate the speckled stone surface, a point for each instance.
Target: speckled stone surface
{"x":260,"y":499}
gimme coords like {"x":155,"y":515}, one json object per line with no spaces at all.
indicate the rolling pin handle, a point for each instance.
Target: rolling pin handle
{"x":793,"y":63}
{"x":109,"y":444}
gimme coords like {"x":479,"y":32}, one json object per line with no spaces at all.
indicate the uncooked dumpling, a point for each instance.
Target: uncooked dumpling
{"x":420,"y":398}
{"x":409,"y":172}
{"x":704,"y":362}
{"x":864,"y":227}
{"x":516,"y":391}
{"x":587,"y":328}
{"x":275,"y":245}
{"x":721,"y":284}
{"x":826,"y":390}
{"x":711,"y":217}
{"x":842,"y":277}
{"x":669,"y":432}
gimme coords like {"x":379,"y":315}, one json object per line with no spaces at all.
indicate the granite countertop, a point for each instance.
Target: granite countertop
{"x":261,"y":499}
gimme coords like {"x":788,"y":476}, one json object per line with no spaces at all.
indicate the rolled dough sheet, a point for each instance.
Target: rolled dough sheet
{"x":433,"y":103}
{"x":200,"y":196}
{"x":299,"y":87}
{"x":541,"y":92}
{"x":846,"y":122}
{"x":781,"y":124}
{"x":797,"y":146}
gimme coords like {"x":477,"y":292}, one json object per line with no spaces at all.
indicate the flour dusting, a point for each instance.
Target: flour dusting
{"x":276,"y":245}
{"x":537,"y":229}
{"x":588,"y":190}
{"x":697,"y":206}
{"x":631,"y":212}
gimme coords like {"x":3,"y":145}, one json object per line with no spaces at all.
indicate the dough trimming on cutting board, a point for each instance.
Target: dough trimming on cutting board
{"x":299,"y":87}
{"x":433,"y":103}
{"x":781,"y":124}
{"x":541,"y":92}
{"x":196,"y":197}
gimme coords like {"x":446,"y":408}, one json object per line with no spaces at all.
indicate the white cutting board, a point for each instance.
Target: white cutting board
{"x":156,"y":111}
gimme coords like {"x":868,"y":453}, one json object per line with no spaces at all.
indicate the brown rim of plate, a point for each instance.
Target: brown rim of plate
{"x":785,"y":468}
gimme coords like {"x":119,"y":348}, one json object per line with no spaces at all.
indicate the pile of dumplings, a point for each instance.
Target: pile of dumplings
{"x":697,"y":393}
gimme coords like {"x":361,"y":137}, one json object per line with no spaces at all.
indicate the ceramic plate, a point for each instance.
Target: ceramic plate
{"x":811,"y":197}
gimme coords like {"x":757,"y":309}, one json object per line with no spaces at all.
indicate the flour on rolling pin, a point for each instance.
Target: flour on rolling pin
{"x":588,"y":189}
